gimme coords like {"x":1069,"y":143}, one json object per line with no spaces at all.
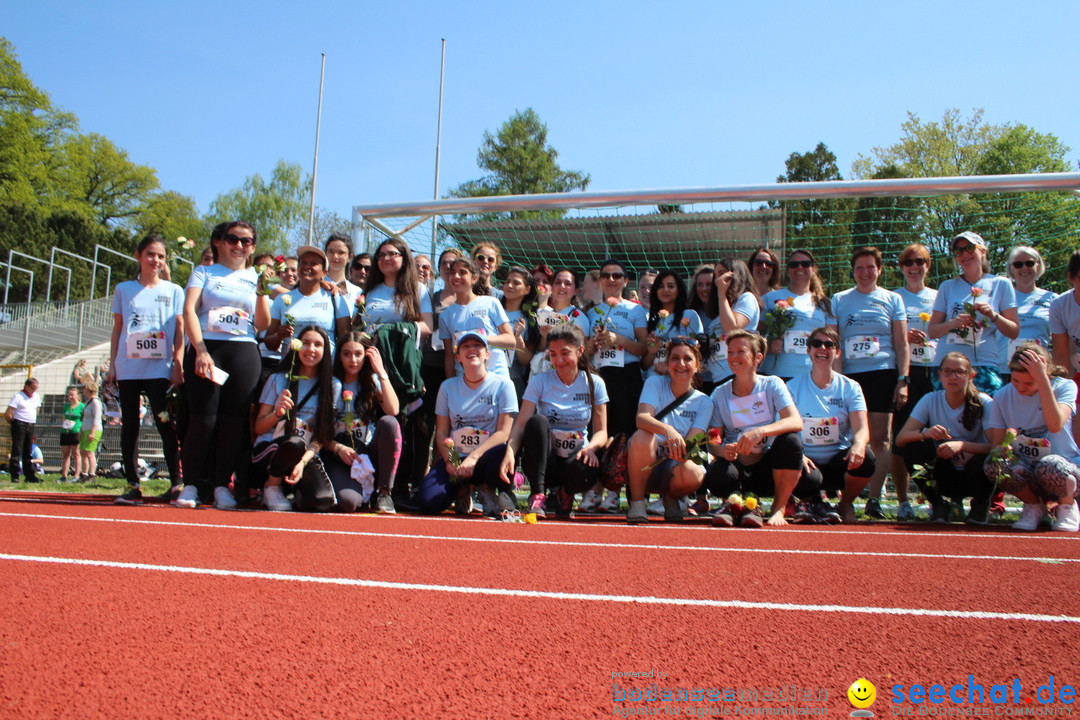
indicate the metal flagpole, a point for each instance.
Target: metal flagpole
{"x":438,"y":154}
{"x":315,"y":165}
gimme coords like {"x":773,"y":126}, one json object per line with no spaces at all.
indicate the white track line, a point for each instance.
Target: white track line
{"x":506,"y":592}
{"x":556,"y":543}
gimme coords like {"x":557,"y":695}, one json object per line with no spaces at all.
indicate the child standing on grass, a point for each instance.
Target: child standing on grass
{"x":90,"y":436}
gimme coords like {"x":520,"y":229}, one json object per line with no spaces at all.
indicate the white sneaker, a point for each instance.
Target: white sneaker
{"x":589,"y":502}
{"x":1068,"y":518}
{"x":189,"y":497}
{"x":1031,"y":516}
{"x":610,"y":503}
{"x":275,"y":500}
{"x":223,"y":499}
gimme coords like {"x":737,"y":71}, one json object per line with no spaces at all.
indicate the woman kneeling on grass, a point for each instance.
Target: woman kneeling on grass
{"x":551,"y":433}
{"x":758,"y":447}
{"x":671,"y":410}
{"x":835,"y":431}
{"x":359,"y":432}
{"x":473,"y":416}
{"x":1034,"y":414}
{"x":295,"y":420}
{"x":946,"y":430}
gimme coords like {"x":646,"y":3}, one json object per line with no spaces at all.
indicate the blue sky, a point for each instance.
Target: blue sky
{"x":640,"y":95}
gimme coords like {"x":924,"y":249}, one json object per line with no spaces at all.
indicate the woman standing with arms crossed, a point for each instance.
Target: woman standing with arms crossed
{"x":145,"y":356}
{"x":223,"y":309}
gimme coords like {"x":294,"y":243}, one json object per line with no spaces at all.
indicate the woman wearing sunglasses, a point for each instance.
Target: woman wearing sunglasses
{"x":1024,"y":268}
{"x":872,"y":324}
{"x":835,"y":432}
{"x":946,"y":431}
{"x":670,"y":411}
{"x":914,"y":262}
{"x":971,"y":310}
{"x":805,"y":304}
{"x":765,"y":267}
{"x":487,"y":257}
{"x":758,"y":449}
{"x":669,"y":317}
{"x":222,"y":312}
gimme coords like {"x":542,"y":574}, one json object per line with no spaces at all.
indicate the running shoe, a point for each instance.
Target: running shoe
{"x":385,"y":504}
{"x":590,"y":502}
{"x":223,"y":499}
{"x":905,"y":511}
{"x":725,"y":515}
{"x":673,"y":511}
{"x":132,"y":497}
{"x":997,"y":504}
{"x":873,"y":509}
{"x":1031,"y":516}
{"x":826,"y":513}
{"x":538,"y":505}
{"x":188,"y":498}
{"x":564,"y":504}
{"x":979,"y":513}
{"x":1068,"y":518}
{"x":751,"y":518}
{"x":463,"y":505}
{"x":804,"y":513}
{"x":275,"y":500}
{"x":488,"y":504}
{"x":505,"y":502}
{"x":610,"y":504}
{"x":699,"y":508}
{"x":170,"y":495}
{"x":636,"y":514}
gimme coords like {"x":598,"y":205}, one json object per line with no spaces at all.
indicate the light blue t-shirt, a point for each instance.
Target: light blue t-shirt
{"x":826,"y":414}
{"x":623,"y":319}
{"x":305,"y":414}
{"x":980,"y":347}
{"x":348,"y":291}
{"x":865,"y":322}
{"x":1034,"y":311}
{"x":1065,"y":320}
{"x":1025,"y":415}
{"x":567,"y":407}
{"x":485,"y":312}
{"x":933,"y":409}
{"x":381,"y":308}
{"x":916,"y":304}
{"x":717,"y":368}
{"x":474,"y":412}
{"x":735,"y":415}
{"x":226,"y":308}
{"x":692,"y":414}
{"x":794,"y":359}
{"x":148,"y":329}
{"x":322,"y":309}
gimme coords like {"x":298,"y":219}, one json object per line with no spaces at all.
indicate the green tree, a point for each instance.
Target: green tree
{"x":519,"y":161}
{"x":327,"y":222}
{"x":273,"y":207}
{"x":100,"y":179}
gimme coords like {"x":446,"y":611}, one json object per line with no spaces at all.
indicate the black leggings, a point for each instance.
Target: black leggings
{"x":279,"y":457}
{"x":724,"y":477}
{"x":949,"y":481}
{"x":155,"y":389}
{"x":220,"y":411}
{"x":539,"y":459}
{"x":384,"y":452}
{"x":624,"y":386}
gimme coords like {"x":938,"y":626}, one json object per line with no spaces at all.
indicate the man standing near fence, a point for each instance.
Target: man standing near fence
{"x":22,"y":414}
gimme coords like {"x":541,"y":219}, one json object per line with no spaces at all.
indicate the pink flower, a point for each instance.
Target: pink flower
{"x":685,"y":322}
{"x":612,"y":301}
{"x":347,"y":395}
{"x":663,"y":314}
{"x":782,"y":305}
{"x":976,"y":292}
{"x":449,"y":443}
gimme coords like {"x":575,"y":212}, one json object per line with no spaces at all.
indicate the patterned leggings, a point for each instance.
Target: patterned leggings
{"x":1049,"y":478}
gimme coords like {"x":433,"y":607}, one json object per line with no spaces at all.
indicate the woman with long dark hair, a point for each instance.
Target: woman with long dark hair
{"x":520,"y":302}
{"x":733,"y":305}
{"x":669,"y":317}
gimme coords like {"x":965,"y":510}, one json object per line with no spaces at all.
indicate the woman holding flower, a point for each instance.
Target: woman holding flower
{"x":473,"y":417}
{"x":473,"y":311}
{"x":872,"y":324}
{"x":1032,"y":417}
{"x":972,"y":309}
{"x":946,"y":432}
{"x":551,"y":433}
{"x":295,"y":421}
{"x":145,"y":356}
{"x":520,"y":303}
{"x":733,"y":306}
{"x":755,"y":428}
{"x":223,"y":309}
{"x":667,"y":455}
{"x":914,"y":262}
{"x":669,"y":318}
{"x":835,"y":432}
{"x":790,"y":314}
{"x":367,"y":436}
{"x":308,"y":304}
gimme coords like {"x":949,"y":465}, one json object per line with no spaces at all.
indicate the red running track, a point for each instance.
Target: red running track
{"x":155,"y":612}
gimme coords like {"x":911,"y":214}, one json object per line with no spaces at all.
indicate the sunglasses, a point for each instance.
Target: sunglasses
{"x":1023,"y":264}
{"x":960,"y":250}
{"x":675,"y":342}
{"x":237,"y":240}
{"x":914,"y":261}
{"x":485,"y":258}
{"x":612,"y":275}
{"x":765,"y":263}
{"x":388,"y":254}
{"x":827,"y":344}
{"x":792,"y":264}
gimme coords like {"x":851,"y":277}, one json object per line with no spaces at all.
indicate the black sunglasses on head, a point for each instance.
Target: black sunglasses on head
{"x":675,"y":342}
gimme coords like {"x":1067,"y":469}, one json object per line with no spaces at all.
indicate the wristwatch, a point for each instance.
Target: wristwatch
{"x":902,"y":377}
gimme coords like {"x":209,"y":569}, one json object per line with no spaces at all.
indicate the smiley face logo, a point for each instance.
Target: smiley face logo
{"x":862,"y":693}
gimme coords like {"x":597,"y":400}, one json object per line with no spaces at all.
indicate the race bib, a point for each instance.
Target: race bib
{"x":68,"y":425}
{"x":795,"y":341}
{"x":467,"y":439}
{"x":923,"y":354}
{"x":972,"y":337}
{"x":661,"y":355}
{"x":568,"y":443}
{"x":1014,"y":345}
{"x":821,"y":431}
{"x":547,"y":317}
{"x":611,"y":357}
{"x":1031,"y":449}
{"x":750,"y":411}
{"x":232,"y":320}
{"x":302,"y":430}
{"x":862,"y":346}
{"x":718,"y":351}
{"x":146,"y":345}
